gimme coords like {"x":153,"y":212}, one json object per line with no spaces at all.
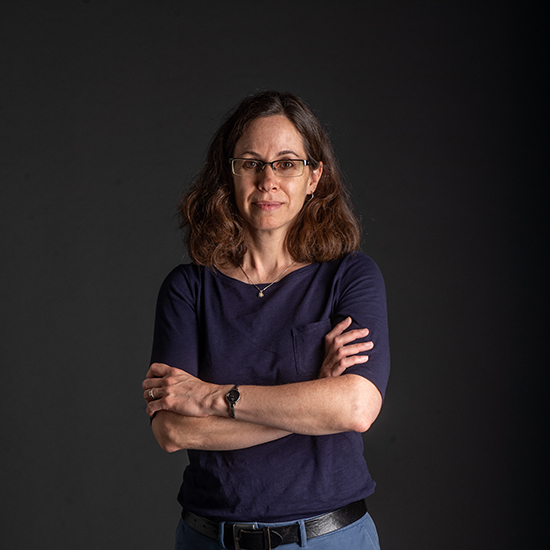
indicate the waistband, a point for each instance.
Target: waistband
{"x":248,"y":536}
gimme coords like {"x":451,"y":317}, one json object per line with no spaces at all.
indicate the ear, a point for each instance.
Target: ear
{"x":315,"y":176}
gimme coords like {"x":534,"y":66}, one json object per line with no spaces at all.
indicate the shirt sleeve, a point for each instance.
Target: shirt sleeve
{"x":362,"y":296}
{"x":175,"y":340}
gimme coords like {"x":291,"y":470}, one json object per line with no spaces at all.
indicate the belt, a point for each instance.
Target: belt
{"x":245,"y":536}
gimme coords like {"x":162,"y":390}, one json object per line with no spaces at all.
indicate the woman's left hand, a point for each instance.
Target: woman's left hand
{"x":170,"y":389}
{"x":341,"y":351}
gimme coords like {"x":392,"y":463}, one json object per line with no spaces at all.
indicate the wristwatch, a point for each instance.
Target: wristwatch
{"x":232,"y":397}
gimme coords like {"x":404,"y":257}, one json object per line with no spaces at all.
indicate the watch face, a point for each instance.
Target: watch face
{"x":233,"y":395}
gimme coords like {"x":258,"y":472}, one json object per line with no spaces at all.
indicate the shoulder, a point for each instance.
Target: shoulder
{"x":356,"y":264}
{"x":184,"y":280}
{"x":359,"y":260}
{"x":356,"y":274}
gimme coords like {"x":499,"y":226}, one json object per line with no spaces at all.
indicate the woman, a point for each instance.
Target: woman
{"x":270,"y":353}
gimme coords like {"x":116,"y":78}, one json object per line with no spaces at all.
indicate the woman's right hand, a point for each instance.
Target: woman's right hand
{"x":340,"y":353}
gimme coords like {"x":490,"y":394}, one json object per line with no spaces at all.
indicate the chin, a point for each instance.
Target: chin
{"x":267,"y":225}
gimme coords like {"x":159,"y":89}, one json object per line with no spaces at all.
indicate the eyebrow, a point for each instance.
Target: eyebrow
{"x":285,"y":152}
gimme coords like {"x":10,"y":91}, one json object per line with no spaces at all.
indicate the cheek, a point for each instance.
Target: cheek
{"x":239,"y":194}
{"x":299,"y":189}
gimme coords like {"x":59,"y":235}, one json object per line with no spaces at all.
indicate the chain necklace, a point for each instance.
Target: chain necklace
{"x":262,"y":290}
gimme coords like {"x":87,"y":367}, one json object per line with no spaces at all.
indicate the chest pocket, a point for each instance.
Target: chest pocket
{"x":309,"y":348}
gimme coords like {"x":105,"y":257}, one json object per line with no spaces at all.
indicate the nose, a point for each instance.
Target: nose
{"x":267,"y":180}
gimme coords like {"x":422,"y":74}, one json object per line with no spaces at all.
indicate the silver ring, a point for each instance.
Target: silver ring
{"x":151,"y":394}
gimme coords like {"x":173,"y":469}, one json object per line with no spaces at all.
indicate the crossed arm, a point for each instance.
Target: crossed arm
{"x":191,"y":414}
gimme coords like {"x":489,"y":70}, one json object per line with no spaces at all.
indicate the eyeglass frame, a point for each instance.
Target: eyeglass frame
{"x":264,"y":164}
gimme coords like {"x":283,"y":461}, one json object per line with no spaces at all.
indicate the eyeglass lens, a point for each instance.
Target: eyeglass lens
{"x":283,"y":168}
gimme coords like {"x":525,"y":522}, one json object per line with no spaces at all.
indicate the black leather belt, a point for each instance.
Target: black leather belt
{"x":244,"y":536}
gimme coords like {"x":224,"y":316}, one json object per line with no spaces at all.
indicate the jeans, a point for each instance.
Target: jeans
{"x":360,"y":535}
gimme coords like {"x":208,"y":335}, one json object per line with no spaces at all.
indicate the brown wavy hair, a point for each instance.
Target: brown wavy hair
{"x":326,"y":227}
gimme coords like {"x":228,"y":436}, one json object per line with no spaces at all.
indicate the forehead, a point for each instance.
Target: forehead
{"x":272,"y":134}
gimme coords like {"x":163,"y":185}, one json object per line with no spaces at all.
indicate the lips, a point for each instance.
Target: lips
{"x":267,"y":205}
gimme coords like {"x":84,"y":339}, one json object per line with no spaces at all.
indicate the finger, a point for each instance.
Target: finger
{"x":152,"y":394}
{"x":354,"y":349}
{"x":153,"y":407}
{"x":335,"y":368}
{"x":337,"y":346}
{"x":149,"y":383}
{"x":158,"y":370}
{"x":345,"y":364}
{"x":350,"y":336}
{"x":338,"y":331}
{"x":339,"y":328}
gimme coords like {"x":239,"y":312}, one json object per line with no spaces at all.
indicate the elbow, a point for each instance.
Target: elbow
{"x":170,"y":448}
{"x":361,"y":417}
{"x":165,"y":433}
{"x":362,"y":422}
{"x":168,"y":445}
{"x":365,"y":404}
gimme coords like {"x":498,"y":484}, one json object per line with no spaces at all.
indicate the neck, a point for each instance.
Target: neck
{"x":266,"y":257}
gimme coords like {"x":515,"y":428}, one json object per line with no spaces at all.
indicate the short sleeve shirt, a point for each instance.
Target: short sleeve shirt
{"x":218,"y":329}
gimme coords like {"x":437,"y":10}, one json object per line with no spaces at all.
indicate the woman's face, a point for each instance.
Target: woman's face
{"x":268,"y":202}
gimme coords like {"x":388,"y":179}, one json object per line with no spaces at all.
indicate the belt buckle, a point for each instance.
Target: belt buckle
{"x":241,"y":527}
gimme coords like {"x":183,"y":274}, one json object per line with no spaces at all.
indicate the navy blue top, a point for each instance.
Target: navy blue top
{"x":218,"y":329}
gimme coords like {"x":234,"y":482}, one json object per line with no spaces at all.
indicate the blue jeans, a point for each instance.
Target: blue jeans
{"x":360,"y":535}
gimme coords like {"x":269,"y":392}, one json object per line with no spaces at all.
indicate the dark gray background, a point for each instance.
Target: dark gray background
{"x":106,"y":110}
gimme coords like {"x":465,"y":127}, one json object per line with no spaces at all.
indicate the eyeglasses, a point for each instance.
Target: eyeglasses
{"x":284,"y":168}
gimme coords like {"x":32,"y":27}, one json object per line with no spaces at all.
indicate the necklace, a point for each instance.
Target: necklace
{"x":262,"y":290}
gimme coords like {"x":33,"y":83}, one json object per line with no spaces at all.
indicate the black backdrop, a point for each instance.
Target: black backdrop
{"x":106,"y":110}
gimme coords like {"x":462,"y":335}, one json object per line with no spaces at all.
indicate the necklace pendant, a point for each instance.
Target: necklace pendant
{"x":260,"y":290}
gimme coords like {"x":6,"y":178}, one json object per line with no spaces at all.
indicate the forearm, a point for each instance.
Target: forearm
{"x":332,"y":404}
{"x":175,"y":432}
{"x":317,"y":407}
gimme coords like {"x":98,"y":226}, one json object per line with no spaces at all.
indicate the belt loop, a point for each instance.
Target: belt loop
{"x":221,"y":533}
{"x":303,"y":535}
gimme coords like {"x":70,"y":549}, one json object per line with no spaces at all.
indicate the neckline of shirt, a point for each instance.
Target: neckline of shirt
{"x":300,"y":270}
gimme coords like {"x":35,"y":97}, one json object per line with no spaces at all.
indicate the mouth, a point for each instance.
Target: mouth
{"x":267,"y":205}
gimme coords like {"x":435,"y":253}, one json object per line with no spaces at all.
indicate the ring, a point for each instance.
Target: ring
{"x":151,"y":394}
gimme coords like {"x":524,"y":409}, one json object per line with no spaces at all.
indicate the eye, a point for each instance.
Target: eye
{"x":285,"y":165}
{"x":250,"y":164}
